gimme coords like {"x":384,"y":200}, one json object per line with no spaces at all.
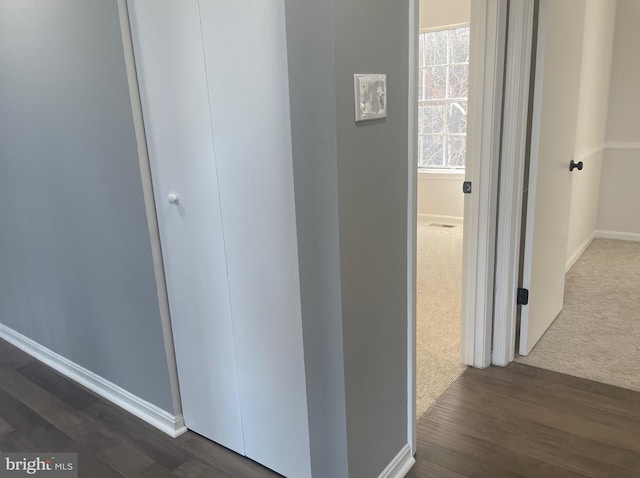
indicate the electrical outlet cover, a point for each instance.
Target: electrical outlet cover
{"x":370,"y":96}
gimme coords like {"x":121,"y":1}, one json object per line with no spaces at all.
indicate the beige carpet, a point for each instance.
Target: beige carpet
{"x":439,"y":285}
{"x":597,"y":335}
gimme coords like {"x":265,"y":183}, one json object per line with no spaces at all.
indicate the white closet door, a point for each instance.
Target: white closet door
{"x":172,"y":78}
{"x":246,"y":55}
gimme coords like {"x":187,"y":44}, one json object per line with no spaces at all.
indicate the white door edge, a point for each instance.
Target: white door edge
{"x":514,"y":143}
{"x":488,"y":42}
{"x":412,"y":222}
{"x":149,"y":204}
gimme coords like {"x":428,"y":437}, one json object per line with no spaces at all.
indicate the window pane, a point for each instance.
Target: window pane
{"x":457,"y":151}
{"x":435,"y":48}
{"x":458,"y":81}
{"x":435,"y":79}
{"x":432,"y":151}
{"x":459,"y":45}
{"x":433,"y":118}
{"x":442,"y":92}
{"x":457,"y":117}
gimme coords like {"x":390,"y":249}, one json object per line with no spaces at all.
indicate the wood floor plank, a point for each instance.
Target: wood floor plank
{"x":569,"y":390}
{"x":125,"y":459}
{"x":197,"y":468}
{"x":223,"y":459}
{"x":512,"y":422}
{"x":157,"y":471}
{"x":117,"y":423}
{"x":494,"y":458}
{"x":567,"y":425}
{"x":13,"y":357}
{"x":72,"y":394}
{"x":5,"y":428}
{"x":17,"y":414}
{"x":625,"y":425}
{"x":50,"y":407}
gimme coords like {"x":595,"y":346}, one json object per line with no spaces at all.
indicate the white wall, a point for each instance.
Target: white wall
{"x":620,"y":195}
{"x":440,"y":197}
{"x":597,"y":52}
{"x":436,"y":13}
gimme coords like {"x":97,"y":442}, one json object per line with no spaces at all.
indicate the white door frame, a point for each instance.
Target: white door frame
{"x":150,"y":209}
{"x":488,"y":44}
{"x":514,"y":151}
{"x":412,"y":221}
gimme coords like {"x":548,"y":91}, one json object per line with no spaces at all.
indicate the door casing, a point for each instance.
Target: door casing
{"x":488,"y":46}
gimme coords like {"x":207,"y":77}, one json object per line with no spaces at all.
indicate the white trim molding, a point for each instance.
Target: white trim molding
{"x":400,"y":465}
{"x":172,"y":425}
{"x":440,"y":28}
{"x":584,"y":155}
{"x":412,"y":221}
{"x":444,"y":174}
{"x":149,"y":204}
{"x":621,"y":145}
{"x":487,"y":55}
{"x":514,"y":151}
{"x":576,"y":255}
{"x":621,"y":236}
{"x":439,"y":219}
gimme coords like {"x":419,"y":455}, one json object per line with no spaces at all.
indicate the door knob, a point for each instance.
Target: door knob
{"x":573,"y":165}
{"x":173,"y":198}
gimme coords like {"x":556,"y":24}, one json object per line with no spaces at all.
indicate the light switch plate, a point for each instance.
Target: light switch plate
{"x":370,"y":91}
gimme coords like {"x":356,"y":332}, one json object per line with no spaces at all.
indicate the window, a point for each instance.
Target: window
{"x":443,"y":83}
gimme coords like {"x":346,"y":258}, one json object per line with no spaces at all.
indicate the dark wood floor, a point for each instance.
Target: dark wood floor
{"x":522,"y":421}
{"x":513,"y":422}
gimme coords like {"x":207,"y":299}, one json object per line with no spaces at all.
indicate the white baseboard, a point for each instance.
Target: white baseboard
{"x":576,"y":255}
{"x":438,"y":219}
{"x":622,"y":145}
{"x":170,"y":424}
{"x":400,"y":465}
{"x":622,"y":236}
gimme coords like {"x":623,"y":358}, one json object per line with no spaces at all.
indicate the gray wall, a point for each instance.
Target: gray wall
{"x":77,"y":273}
{"x":310,"y":47}
{"x":351,"y":185}
{"x":351,"y":189}
{"x":372,"y":36}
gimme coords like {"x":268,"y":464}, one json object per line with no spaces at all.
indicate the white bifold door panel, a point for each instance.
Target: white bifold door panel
{"x":555,"y":109}
{"x":173,"y":90}
{"x":213,"y":79}
{"x":246,"y":56}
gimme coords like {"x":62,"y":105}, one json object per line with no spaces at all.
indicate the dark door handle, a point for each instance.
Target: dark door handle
{"x":575,"y":165}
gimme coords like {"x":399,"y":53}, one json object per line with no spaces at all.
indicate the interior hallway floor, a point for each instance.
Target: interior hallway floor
{"x":597,"y":334}
{"x":511,"y":422}
{"x":438,"y":311}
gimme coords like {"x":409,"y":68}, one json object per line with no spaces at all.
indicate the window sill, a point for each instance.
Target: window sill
{"x":444,"y":174}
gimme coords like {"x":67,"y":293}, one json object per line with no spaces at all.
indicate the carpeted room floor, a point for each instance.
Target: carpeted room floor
{"x":596,"y":334}
{"x":439,"y":289}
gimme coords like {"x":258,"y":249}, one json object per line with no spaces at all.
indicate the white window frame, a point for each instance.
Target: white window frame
{"x":443,"y":170}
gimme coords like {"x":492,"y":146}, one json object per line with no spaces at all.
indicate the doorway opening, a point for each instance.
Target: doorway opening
{"x":588,"y":235}
{"x":443,"y":86}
